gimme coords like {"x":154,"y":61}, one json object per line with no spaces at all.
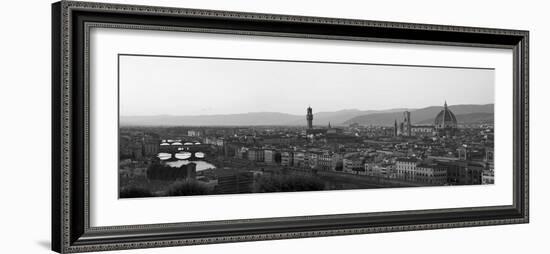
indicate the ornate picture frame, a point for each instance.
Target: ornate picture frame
{"x":71,"y":229}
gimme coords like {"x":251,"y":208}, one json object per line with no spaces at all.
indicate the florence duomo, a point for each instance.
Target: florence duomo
{"x":445,"y":124}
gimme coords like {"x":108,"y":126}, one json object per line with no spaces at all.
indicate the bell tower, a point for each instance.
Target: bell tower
{"x":309,"y":118}
{"x":395,"y":128}
{"x":407,"y":123}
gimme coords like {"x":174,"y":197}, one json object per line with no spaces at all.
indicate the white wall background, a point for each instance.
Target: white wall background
{"x":25,"y":113}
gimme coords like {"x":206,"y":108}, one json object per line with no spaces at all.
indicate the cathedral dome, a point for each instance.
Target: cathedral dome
{"x":445,"y":119}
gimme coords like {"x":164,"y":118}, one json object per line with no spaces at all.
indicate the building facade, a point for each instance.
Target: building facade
{"x":269,"y":156}
{"x":287,"y":158}
{"x":414,"y":170}
{"x":256,"y":155}
{"x":353,"y":164}
{"x":445,"y":124}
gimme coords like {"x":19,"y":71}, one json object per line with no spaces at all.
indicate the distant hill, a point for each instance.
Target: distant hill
{"x":338,"y":117}
{"x":341,"y":117}
{"x":257,"y":118}
{"x":468,"y":113}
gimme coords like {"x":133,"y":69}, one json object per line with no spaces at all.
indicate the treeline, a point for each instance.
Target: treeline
{"x":182,"y":184}
{"x":188,"y":187}
{"x":157,"y":171}
{"x":288,"y":183}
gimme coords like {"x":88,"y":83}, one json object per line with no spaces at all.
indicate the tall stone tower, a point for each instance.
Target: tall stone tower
{"x":407,"y":123}
{"x":309,"y":118}
{"x":395,"y":128}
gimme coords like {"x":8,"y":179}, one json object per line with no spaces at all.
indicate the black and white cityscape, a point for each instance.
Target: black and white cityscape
{"x":178,"y":150}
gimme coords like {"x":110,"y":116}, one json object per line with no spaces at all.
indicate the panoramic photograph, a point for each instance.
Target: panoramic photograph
{"x":209,"y":126}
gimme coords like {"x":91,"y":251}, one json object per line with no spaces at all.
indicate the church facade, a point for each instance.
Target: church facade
{"x":445,"y":124}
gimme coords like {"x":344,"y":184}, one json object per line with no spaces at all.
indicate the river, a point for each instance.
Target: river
{"x":201,"y":165}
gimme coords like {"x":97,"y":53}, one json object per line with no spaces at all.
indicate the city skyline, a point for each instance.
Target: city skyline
{"x":159,"y":161}
{"x":467,"y":113}
{"x":171,"y":85}
{"x":232,"y":126}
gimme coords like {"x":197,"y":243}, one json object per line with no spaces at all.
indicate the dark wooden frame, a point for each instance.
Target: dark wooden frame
{"x":71,"y":231}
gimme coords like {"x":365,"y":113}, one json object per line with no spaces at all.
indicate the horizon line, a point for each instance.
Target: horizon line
{"x":252,"y":112}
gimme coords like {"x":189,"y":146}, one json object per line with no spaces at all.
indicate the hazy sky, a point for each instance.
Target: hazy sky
{"x":188,"y":86}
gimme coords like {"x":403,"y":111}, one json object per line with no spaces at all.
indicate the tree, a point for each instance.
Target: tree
{"x":277,"y":158}
{"x":188,"y":188}
{"x":288,"y":183}
{"x":135,"y":192}
{"x":339,"y":166}
{"x":157,"y":171}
